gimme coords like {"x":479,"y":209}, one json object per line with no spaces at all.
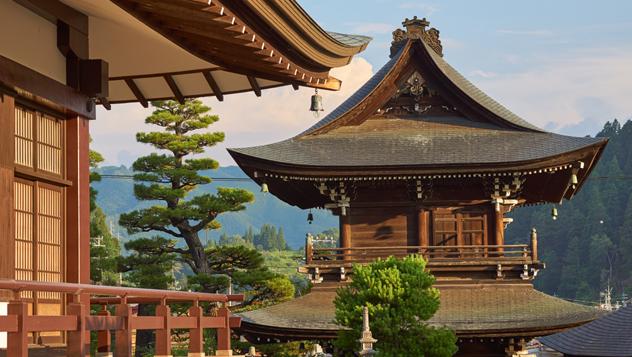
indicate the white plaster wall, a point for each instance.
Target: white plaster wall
{"x":3,"y":335}
{"x":30,"y":40}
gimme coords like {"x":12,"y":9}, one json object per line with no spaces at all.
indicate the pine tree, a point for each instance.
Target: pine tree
{"x":171,"y":177}
{"x":400,"y":299}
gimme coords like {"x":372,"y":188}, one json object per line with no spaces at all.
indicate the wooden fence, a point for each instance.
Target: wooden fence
{"x":78,"y":322}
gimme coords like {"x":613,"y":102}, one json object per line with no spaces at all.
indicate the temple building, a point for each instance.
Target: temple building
{"x":419,"y":160}
{"x":61,"y":58}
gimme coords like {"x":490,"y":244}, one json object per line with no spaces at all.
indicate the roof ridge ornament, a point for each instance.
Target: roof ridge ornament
{"x":416,"y":30}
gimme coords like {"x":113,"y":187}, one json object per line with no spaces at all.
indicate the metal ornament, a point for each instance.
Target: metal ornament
{"x":310,"y":217}
{"x":554,"y":213}
{"x":264,"y":188}
{"x":317,"y":103}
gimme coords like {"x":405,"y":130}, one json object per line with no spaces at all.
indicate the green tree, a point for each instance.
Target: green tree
{"x":400,"y":299}
{"x":247,"y":272}
{"x":171,"y":177}
{"x":104,"y":248}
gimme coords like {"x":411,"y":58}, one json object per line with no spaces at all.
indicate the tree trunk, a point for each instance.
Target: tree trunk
{"x":198,"y":255}
{"x":145,"y":341}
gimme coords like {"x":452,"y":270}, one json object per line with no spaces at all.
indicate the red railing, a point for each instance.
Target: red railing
{"x":78,"y":321}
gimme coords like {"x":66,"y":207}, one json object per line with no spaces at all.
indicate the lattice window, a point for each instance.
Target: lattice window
{"x":39,"y":232}
{"x":39,"y":141}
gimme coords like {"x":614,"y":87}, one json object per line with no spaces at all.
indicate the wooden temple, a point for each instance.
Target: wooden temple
{"x":58,"y":60}
{"x":421,"y":161}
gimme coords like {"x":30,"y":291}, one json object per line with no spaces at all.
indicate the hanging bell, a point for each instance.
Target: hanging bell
{"x":554,"y":213}
{"x":264,"y":188}
{"x":310,"y":217}
{"x":317,"y":103}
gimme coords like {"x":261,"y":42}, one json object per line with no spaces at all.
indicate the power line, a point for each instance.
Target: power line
{"x":131,"y":177}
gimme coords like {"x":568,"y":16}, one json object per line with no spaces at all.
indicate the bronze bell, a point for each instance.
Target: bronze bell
{"x":554,"y":213}
{"x":317,"y":103}
{"x":310,"y":217}
{"x":264,"y":188}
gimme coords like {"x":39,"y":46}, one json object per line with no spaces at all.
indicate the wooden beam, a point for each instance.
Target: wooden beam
{"x":137,"y":93}
{"x":255,"y":85}
{"x":46,"y":91}
{"x":174,"y":88}
{"x":213,"y":84}
{"x":105,"y":103}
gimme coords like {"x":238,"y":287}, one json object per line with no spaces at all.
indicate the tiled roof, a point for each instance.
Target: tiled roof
{"x":350,"y":40}
{"x":609,"y":336}
{"x":467,"y":309}
{"x":417,"y":142}
{"x":476,"y":94}
{"x":358,"y":96}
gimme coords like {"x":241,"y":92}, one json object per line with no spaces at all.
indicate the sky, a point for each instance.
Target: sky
{"x":563,"y":65}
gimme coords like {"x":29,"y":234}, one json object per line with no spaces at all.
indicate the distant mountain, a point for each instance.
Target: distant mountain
{"x":116,"y":196}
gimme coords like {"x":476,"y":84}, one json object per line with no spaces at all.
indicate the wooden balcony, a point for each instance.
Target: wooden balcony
{"x":77,"y":321}
{"x":471,"y":262}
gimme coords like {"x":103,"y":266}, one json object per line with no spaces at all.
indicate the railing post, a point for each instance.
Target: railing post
{"x":534,"y":244}
{"x":163,"y":336}
{"x":124,"y":336}
{"x":104,"y":338}
{"x":223,"y":334}
{"x":17,"y":342}
{"x":309,"y":249}
{"x":79,"y":339}
{"x":196,"y":335}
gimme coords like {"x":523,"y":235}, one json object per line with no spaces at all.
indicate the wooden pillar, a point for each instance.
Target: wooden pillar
{"x":17,"y":342}
{"x":78,"y":340}
{"x":78,"y":201}
{"x":345,"y":234}
{"x":500,"y":227}
{"x":534,"y":245}
{"x":124,"y":336}
{"x":7,"y":220}
{"x":423,"y":227}
{"x":196,"y":335}
{"x":163,"y":336}
{"x":223,"y":334}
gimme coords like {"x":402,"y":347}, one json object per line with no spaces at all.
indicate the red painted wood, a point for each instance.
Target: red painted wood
{"x":196,"y":336}
{"x":17,"y":342}
{"x":163,"y":335}
{"x":78,"y":337}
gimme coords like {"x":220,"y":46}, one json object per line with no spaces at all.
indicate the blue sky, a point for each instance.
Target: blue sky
{"x":563,"y":65}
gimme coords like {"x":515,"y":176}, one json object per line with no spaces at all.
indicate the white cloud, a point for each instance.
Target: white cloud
{"x":372,"y":28}
{"x":589,"y":86}
{"x":425,"y":8}
{"x":246,"y":119}
{"x":535,"y":33}
{"x":483,"y":74}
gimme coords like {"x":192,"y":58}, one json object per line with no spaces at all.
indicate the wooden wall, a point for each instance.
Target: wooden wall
{"x":415,"y":226}
{"x":384,"y":226}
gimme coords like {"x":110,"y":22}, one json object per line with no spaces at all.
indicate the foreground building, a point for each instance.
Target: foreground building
{"x":419,"y":160}
{"x":58,"y":59}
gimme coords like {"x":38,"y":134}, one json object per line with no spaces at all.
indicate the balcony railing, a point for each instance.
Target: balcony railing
{"x":78,"y":321}
{"x":325,"y":256}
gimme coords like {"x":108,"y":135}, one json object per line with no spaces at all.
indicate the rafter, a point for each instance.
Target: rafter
{"x":255,"y":86}
{"x":174,"y":88}
{"x":137,"y":93}
{"x":213,"y":84}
